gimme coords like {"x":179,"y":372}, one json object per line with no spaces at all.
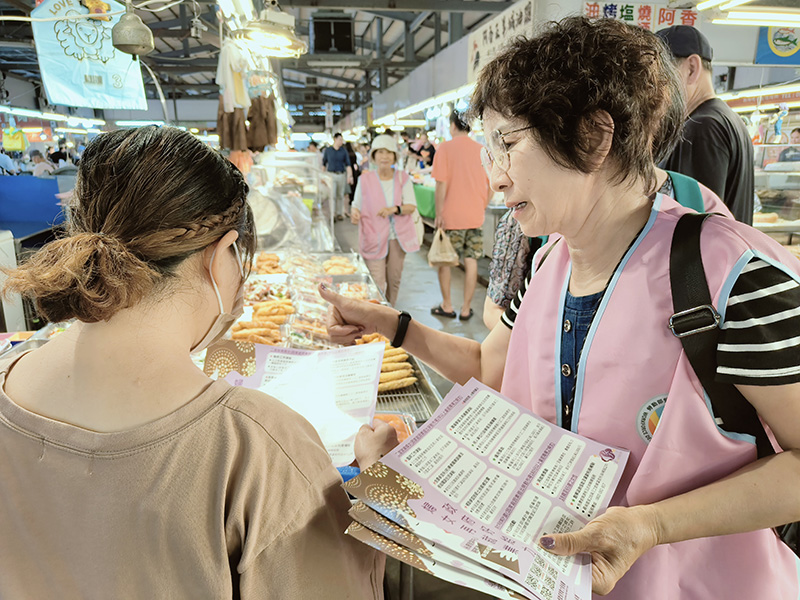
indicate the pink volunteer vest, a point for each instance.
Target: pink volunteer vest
{"x":632,"y":376}
{"x":373,"y":231}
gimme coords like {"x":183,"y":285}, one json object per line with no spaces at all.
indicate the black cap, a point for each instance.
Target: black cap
{"x":684,"y":41}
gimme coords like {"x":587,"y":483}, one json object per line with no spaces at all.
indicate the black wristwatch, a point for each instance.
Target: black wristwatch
{"x":403,"y":319}
{"x":398,"y":210}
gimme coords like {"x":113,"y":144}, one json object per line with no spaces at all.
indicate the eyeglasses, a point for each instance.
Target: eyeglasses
{"x":495,"y":152}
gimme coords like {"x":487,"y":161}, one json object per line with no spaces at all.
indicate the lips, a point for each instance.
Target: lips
{"x":518,"y":207}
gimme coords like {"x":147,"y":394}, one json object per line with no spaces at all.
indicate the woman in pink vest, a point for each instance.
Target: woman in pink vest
{"x":383,"y":205}
{"x":570,"y":118}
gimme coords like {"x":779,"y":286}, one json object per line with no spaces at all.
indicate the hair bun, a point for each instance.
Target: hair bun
{"x":88,"y":276}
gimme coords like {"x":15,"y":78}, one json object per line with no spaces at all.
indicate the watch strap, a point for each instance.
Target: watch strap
{"x":398,"y":210}
{"x":403,"y":319}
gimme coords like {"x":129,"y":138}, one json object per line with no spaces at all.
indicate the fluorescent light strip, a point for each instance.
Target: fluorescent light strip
{"x":709,"y":4}
{"x":761,"y":92}
{"x":764,"y":107}
{"x":733,"y":4}
{"x":70,"y":130}
{"x":756,"y":23}
{"x":784,"y":17}
{"x":138,"y":123}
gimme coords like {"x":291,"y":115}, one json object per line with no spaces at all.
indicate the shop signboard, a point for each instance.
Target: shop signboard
{"x":486,"y":41}
{"x":778,"y":46}
{"x":79,"y":66}
{"x":647,"y":16}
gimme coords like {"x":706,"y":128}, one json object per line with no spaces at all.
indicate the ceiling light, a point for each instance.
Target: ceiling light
{"x":132,"y":36}
{"x":765,"y":107}
{"x":709,"y":4}
{"x":761,"y":92}
{"x":138,"y":123}
{"x":764,"y":19}
{"x":733,"y":4}
{"x":272,"y":36}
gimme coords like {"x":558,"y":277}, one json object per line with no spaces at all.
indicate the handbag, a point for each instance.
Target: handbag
{"x":419,"y":226}
{"x":696,"y":323}
{"x":442,"y":253}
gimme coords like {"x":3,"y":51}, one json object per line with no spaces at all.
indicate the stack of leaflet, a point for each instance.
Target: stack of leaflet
{"x":467,"y":497}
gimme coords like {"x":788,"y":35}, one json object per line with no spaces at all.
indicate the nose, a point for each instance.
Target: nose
{"x":498,"y":179}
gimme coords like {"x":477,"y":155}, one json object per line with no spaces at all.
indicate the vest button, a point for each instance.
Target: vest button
{"x":567,"y":326}
{"x":566,"y":370}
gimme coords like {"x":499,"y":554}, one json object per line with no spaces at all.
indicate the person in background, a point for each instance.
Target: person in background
{"x":7,"y":166}
{"x":715,"y":148}
{"x":356,"y":170}
{"x":423,"y":150}
{"x":61,"y":154}
{"x":41,"y":166}
{"x":125,"y":471}
{"x":462,"y":195}
{"x":792,"y":153}
{"x":336,"y":161}
{"x":382,"y":208}
{"x":570,"y":117}
{"x":312,"y":147}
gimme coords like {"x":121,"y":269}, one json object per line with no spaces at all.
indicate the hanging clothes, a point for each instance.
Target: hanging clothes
{"x":231,"y":128}
{"x":263,"y":130}
{"x":233,"y":63}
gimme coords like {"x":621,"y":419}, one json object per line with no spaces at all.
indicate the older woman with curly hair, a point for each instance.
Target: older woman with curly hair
{"x":570,"y":117}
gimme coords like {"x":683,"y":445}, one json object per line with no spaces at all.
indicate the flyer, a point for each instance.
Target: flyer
{"x":484,"y":479}
{"x":335,"y":390}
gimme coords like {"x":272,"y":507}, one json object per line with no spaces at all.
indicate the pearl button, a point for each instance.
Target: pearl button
{"x":566,"y":370}
{"x":567,"y":326}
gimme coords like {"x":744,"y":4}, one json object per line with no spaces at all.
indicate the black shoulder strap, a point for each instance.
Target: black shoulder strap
{"x":696,"y":323}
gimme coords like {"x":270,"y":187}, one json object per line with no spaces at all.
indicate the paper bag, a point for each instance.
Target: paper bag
{"x":442,"y":253}
{"x":419,"y":226}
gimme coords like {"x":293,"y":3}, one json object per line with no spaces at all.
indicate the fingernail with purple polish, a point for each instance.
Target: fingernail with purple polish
{"x":547,"y":542}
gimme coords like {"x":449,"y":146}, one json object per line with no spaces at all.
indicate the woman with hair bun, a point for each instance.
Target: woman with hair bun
{"x":124,"y":471}
{"x":574,"y":119}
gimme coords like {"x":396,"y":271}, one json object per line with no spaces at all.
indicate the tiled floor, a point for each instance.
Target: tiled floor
{"x":419,"y":292}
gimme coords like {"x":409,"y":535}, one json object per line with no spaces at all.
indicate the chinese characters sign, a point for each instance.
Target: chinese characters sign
{"x":647,"y":16}
{"x":79,"y":65}
{"x":488,"y":40}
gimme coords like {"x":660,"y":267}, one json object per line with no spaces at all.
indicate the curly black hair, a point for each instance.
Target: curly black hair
{"x":575,"y":67}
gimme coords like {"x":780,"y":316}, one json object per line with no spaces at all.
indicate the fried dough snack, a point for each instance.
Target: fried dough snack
{"x":396,"y":385}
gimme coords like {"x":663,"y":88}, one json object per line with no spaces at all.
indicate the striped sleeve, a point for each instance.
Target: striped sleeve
{"x":760,"y":339}
{"x":510,"y":315}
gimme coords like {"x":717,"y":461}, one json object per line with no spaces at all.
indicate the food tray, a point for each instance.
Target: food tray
{"x":419,"y":400}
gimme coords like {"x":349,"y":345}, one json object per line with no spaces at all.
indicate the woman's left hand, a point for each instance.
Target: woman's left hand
{"x":615,"y":539}
{"x":386,"y":211}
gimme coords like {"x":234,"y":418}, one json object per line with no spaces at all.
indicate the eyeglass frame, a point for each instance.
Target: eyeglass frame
{"x":486,"y":153}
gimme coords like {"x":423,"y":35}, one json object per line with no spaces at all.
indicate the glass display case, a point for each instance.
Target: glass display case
{"x":777,"y":185}
{"x":282,"y":183}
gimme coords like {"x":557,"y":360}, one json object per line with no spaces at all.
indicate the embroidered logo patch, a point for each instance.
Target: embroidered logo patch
{"x":648,"y":417}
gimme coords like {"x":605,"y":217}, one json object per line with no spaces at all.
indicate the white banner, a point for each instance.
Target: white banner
{"x":79,"y":66}
{"x":488,"y":40}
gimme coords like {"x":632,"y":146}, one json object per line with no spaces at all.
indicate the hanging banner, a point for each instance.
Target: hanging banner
{"x":79,"y":66}
{"x":647,"y":16}
{"x":778,"y":46}
{"x":486,"y":41}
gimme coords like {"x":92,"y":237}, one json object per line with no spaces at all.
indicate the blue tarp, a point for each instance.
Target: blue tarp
{"x":29,"y":205}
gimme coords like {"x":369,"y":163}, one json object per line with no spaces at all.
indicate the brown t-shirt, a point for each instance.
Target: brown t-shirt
{"x":230,"y":496}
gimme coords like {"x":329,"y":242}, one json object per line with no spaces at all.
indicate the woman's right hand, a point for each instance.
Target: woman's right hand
{"x":373,"y":444}
{"x":355,"y":215}
{"x":349,"y":319}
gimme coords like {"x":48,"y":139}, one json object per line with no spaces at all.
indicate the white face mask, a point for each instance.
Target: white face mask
{"x":224,"y":320}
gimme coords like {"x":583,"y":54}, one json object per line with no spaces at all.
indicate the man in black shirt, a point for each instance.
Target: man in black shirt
{"x":715,"y":148}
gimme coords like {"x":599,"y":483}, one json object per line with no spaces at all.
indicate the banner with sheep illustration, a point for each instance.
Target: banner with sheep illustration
{"x":79,"y":66}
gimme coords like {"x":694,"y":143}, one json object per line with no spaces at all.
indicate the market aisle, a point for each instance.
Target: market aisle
{"x":419,"y":292}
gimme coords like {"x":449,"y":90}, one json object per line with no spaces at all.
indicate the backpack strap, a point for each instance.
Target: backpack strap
{"x":687,"y":191}
{"x":696,"y":323}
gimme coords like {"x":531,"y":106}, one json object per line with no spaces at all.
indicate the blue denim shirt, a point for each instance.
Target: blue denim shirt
{"x":578,"y":314}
